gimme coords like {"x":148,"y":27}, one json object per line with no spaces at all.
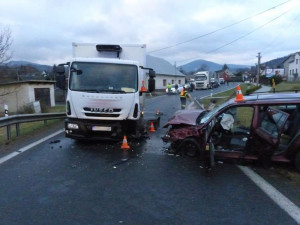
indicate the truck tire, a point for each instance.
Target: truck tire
{"x":297,"y":161}
{"x":189,"y":147}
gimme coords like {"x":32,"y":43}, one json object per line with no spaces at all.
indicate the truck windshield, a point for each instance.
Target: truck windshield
{"x":201,"y":78}
{"x":103,"y":77}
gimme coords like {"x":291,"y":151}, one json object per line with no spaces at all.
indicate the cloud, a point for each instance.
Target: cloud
{"x":43,"y":31}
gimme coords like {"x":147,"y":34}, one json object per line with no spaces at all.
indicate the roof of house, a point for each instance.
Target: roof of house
{"x":289,"y":57}
{"x":29,"y":82}
{"x":162,"y":67}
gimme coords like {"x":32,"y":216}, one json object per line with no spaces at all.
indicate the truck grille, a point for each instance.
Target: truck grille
{"x":199,"y":85}
{"x":102,"y":115}
{"x":101,"y":110}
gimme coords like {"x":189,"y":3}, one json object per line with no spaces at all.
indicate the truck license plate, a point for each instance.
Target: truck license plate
{"x":100,"y":128}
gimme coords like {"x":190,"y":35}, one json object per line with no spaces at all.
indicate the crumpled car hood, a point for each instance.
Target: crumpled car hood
{"x":185,"y":117}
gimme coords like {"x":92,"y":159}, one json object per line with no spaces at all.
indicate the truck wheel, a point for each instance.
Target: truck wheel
{"x":297,"y":161}
{"x":190,"y":147}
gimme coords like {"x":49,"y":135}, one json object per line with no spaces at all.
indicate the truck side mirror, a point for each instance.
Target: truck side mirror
{"x":152,"y":73}
{"x":151,"y":84}
{"x":60,"y":76}
{"x":59,"y":69}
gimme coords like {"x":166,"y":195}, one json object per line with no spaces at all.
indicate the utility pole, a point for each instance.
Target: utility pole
{"x":258,"y":69}
{"x":175,"y":72}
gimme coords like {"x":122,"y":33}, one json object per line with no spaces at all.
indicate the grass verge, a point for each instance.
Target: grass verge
{"x":226,"y":95}
{"x":283,"y":86}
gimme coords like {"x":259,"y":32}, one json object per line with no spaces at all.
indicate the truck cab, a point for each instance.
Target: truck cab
{"x":202,"y":80}
{"x":106,"y":91}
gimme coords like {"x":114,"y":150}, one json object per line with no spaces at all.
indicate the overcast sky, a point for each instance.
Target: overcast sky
{"x":43,"y":30}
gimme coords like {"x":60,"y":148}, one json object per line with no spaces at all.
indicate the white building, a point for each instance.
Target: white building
{"x":292,"y":67}
{"x":17,"y":95}
{"x":165,"y":72}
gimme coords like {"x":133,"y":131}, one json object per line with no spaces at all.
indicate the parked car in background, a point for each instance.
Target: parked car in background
{"x":221,"y":80}
{"x":214,"y":83}
{"x":258,"y":127}
{"x":173,"y":89}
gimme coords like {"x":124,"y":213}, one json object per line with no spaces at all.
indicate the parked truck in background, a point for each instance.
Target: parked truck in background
{"x":202,"y":80}
{"x":106,"y":91}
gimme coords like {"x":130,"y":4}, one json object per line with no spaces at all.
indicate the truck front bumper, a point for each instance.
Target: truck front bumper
{"x":93,"y":130}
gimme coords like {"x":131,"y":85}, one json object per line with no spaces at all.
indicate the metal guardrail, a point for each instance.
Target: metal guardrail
{"x":27,"y":118}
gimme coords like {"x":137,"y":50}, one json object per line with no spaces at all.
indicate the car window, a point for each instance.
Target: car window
{"x":278,"y":117}
{"x":211,"y":113}
{"x":290,"y":108}
{"x":272,"y":120}
{"x":242,"y":117}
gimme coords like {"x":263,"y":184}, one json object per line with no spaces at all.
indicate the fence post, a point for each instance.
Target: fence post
{"x":8,"y":133}
{"x":18,"y":129}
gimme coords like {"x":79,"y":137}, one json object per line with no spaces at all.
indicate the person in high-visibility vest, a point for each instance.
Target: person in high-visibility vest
{"x":183,"y":97}
{"x":169,"y":86}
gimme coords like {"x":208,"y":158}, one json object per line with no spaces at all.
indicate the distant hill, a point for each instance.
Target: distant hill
{"x":234,"y":67}
{"x":209,"y":66}
{"x":188,"y":68}
{"x":39,"y":67}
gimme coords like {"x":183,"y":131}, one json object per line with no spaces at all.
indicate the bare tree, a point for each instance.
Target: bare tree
{"x":5,"y":44}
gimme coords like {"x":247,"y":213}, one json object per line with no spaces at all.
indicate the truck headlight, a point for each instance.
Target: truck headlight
{"x":73,"y":126}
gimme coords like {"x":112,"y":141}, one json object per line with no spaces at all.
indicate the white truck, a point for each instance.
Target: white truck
{"x":106,"y":91}
{"x":202,"y":80}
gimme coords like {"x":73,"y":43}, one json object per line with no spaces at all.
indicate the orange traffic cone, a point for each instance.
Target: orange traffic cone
{"x":125,"y":144}
{"x":151,"y":129}
{"x":239,"y":95}
{"x":143,"y":88}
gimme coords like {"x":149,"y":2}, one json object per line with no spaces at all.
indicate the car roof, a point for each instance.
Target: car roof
{"x":271,"y":98}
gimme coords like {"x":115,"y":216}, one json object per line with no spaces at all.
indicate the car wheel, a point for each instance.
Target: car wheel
{"x":190,"y":147}
{"x":297,"y":161}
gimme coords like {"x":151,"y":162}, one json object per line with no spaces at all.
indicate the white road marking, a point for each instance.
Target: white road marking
{"x":21,"y":150}
{"x":283,"y":202}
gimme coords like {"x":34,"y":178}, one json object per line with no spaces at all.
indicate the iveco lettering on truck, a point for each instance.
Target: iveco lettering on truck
{"x":106,"y":91}
{"x":202,"y":80}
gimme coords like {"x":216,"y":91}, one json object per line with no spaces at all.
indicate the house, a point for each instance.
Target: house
{"x":165,"y":72}
{"x":292,"y":67}
{"x":223,"y":73}
{"x":18,"y":95}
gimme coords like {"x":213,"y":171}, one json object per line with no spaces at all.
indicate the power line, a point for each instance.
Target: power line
{"x":271,"y":43}
{"x":258,"y":28}
{"x":237,"y":39}
{"x":212,"y":32}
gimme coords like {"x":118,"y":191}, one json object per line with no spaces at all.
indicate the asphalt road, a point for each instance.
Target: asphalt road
{"x":62,"y":181}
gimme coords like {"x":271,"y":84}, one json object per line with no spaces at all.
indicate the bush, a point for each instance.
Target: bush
{"x":268,"y":80}
{"x":252,"y":88}
{"x":278,"y":79}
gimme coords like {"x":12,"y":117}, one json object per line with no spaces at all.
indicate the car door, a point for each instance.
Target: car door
{"x":265,"y":136}
{"x":231,"y":131}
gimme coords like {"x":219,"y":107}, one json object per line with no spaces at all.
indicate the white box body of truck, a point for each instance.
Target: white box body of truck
{"x":104,"y":99}
{"x":202,"y":80}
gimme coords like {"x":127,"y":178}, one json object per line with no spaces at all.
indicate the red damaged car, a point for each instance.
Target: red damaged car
{"x":258,"y":127}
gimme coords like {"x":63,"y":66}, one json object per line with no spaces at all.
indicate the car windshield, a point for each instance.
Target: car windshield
{"x":211,"y":113}
{"x":103,"y":77}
